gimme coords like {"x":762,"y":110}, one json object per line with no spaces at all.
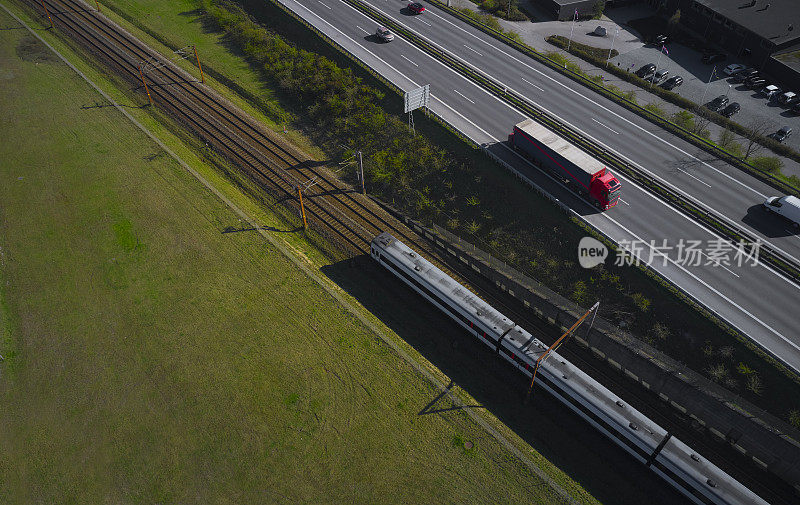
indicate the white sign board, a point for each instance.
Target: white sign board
{"x":416,"y":98}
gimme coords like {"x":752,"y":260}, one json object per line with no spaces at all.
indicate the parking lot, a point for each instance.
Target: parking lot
{"x":634,"y":53}
{"x":697,"y":87}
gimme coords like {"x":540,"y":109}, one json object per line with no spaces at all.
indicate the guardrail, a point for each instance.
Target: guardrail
{"x":634,"y":107}
{"x":693,"y":209}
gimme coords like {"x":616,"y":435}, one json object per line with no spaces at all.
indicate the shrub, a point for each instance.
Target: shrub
{"x":486,"y":19}
{"x":656,"y":108}
{"x":684,"y":119}
{"x":514,"y":36}
{"x":579,"y":294}
{"x":630,"y":96}
{"x":596,"y":55}
{"x":597,"y":9}
{"x":718,"y":372}
{"x":726,"y":352}
{"x":754,"y":384}
{"x":641,"y":302}
{"x":794,"y":418}
{"x":660,"y":331}
{"x":771,"y":164}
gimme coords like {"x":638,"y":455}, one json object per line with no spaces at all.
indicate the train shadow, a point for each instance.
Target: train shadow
{"x":550,"y":428}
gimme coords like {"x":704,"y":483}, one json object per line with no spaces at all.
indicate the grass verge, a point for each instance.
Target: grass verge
{"x":159,"y":358}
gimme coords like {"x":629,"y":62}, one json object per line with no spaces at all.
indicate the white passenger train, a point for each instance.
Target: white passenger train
{"x":701,"y":481}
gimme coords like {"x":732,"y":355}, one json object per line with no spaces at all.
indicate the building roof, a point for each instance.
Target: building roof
{"x":769,"y":19}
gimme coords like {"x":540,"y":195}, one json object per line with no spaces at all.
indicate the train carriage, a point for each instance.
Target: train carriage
{"x":698,"y":479}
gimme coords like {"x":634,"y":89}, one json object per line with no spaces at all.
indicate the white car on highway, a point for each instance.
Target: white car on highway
{"x":787,"y":206}
{"x":384,"y":34}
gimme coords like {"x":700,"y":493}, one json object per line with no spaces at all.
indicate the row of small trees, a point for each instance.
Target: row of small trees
{"x":338,"y":105}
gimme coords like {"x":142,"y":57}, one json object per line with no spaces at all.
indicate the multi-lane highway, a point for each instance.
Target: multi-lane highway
{"x":758,"y":301}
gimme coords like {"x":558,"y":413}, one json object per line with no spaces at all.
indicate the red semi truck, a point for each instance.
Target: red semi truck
{"x":582,"y":172}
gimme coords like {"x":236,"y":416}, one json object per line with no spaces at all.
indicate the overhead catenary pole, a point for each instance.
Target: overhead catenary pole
{"x":361,"y":169}
{"x":202,"y":77}
{"x":302,"y":208}
{"x":574,"y":18}
{"x":556,"y":344}
{"x":48,"y":15}
{"x":146,"y":90}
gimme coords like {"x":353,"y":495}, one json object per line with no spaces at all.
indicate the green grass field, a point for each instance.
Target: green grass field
{"x":151,"y":358}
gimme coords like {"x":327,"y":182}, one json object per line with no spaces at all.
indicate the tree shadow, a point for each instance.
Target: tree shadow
{"x":546,"y":424}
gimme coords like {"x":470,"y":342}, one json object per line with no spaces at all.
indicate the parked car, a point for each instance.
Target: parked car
{"x":384,"y":34}
{"x":734,"y":68}
{"x":770,"y":91}
{"x":755,"y":82}
{"x":416,"y":8}
{"x":731,"y":109}
{"x":660,"y":40}
{"x":745,"y":74}
{"x":796,"y":108}
{"x":782,"y":134}
{"x":713,"y":58}
{"x":646,"y":70}
{"x":717,"y":103}
{"x":788,"y":98}
{"x":787,"y":206}
{"x":673,"y":82}
{"x":659,"y":76}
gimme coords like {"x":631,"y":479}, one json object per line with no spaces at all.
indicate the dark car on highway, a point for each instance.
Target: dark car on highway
{"x":731,"y":109}
{"x":672,"y":82}
{"x":646,"y":70}
{"x":717,"y":103}
{"x":713,"y":58}
{"x":416,"y":8}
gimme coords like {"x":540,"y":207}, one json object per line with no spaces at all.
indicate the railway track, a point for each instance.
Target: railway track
{"x":350,"y":217}
{"x":335,"y":209}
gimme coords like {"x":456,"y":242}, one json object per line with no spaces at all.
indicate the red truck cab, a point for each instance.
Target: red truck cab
{"x":605,"y":189}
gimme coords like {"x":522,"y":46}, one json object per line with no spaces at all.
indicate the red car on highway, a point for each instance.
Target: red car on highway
{"x":416,"y":8}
